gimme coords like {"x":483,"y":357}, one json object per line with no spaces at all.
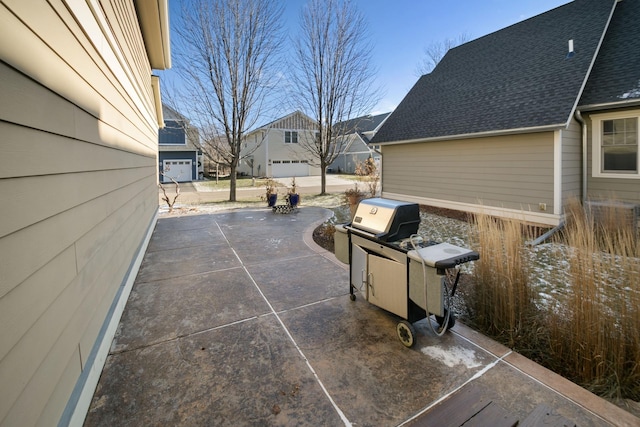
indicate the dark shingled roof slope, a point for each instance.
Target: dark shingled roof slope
{"x":616,"y":74}
{"x":518,"y":77}
{"x":362,"y":124}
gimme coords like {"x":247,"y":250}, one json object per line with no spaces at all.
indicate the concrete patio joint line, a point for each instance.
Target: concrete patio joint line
{"x":286,"y":330}
{"x":444,"y":397}
{"x":178,"y":337}
{"x":311,"y":304}
{"x":564,"y":395}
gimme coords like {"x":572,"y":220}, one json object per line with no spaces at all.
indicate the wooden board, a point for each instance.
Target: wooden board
{"x":492,"y":415}
{"x":543,"y":415}
{"x":456,"y":409}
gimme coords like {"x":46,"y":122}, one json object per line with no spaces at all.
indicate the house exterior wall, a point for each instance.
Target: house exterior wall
{"x":259,"y":155}
{"x":356,"y":151}
{"x":571,"y":161}
{"x":502,"y":175}
{"x":78,"y":169}
{"x":271,"y":147}
{"x":188,"y":149}
{"x":621,"y":189}
{"x":278,"y":150}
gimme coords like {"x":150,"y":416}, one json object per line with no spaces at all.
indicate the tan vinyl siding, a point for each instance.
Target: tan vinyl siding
{"x":513,"y":172}
{"x":78,"y":180}
{"x":572,"y":161}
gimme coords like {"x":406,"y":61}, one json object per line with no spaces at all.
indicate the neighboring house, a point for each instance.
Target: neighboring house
{"x":179,"y":155}
{"x":356,"y":135}
{"x":79,"y":118}
{"x":497,"y":127}
{"x":277,"y":148}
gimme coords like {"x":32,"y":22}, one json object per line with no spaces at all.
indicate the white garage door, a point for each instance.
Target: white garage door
{"x":180,"y":170}
{"x":283,"y":168}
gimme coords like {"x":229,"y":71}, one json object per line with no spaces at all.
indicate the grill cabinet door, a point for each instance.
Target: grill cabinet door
{"x":387,"y":285}
{"x":358,"y":268}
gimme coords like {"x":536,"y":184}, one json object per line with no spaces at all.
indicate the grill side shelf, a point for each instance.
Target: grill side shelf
{"x":444,"y":255}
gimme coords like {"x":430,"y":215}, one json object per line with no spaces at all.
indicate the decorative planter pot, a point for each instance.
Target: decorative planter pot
{"x":272,"y":200}
{"x":294,"y":199}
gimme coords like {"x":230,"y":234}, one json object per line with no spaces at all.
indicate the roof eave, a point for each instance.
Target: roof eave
{"x":610,"y":105}
{"x":153,"y":16}
{"x":536,"y":129}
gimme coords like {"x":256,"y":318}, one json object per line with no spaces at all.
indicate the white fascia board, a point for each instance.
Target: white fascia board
{"x":547,"y":128}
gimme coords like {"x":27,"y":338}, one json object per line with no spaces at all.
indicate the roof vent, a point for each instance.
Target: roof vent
{"x":571,"y":52}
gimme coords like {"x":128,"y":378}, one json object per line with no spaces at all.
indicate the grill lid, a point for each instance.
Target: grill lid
{"x":386,"y":219}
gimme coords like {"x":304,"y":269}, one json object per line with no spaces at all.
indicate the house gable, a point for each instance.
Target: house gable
{"x":516,"y":79}
{"x":611,"y":102}
{"x":615,"y":79}
{"x":276,"y":148}
{"x":294,"y":121}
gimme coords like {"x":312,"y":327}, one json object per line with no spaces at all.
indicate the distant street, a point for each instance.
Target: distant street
{"x":193,"y":194}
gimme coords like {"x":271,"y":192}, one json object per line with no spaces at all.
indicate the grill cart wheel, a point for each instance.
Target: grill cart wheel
{"x":352,"y":297}
{"x":450,"y":324}
{"x":406,"y":333}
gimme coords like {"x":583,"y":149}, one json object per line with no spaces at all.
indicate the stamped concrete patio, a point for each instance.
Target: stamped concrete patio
{"x":238,"y":318}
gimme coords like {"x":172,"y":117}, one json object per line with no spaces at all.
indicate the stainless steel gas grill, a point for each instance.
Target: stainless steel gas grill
{"x":396,"y":269}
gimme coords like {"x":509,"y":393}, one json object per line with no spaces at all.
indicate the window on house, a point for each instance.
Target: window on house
{"x":615,"y":148}
{"x":290,"y":137}
{"x":620,"y":145}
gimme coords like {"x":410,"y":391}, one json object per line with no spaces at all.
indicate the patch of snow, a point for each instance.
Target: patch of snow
{"x":633,"y":93}
{"x":452,"y":356}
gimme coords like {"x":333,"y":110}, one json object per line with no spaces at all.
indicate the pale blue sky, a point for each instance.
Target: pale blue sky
{"x":401,"y":29}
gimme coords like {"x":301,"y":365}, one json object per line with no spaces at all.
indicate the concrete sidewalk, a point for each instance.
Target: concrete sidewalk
{"x":238,"y":318}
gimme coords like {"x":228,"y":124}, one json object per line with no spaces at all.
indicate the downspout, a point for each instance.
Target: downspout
{"x":157,"y":100}
{"x":560,"y":226}
{"x":582,"y":122}
{"x":546,"y":235}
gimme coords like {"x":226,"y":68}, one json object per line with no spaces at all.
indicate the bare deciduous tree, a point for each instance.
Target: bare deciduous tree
{"x":227,"y":51}
{"x":332,"y":76}
{"x":434,"y":52}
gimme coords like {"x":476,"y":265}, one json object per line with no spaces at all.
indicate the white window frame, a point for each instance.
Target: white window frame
{"x":596,"y":145}
{"x":291,"y":133}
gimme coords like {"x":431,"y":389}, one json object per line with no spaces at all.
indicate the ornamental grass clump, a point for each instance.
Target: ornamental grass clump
{"x":589,"y":332}
{"x":502,"y":303}
{"x":595,"y":330}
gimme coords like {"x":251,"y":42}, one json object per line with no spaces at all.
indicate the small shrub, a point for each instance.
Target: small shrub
{"x":369,"y":173}
{"x":352,"y":197}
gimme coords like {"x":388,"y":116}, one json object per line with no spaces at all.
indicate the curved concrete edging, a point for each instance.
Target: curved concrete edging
{"x":308,"y":240}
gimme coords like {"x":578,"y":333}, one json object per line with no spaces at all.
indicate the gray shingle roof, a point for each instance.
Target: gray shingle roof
{"x":362,"y":124}
{"x":616,"y":73}
{"x":518,"y":77}
{"x":169,"y":113}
